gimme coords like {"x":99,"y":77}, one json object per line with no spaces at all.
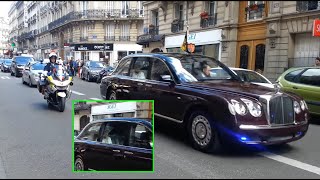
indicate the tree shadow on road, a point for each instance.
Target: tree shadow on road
{"x":176,"y":132}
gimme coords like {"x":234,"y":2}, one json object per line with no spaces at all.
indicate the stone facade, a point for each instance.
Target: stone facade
{"x":62,"y":24}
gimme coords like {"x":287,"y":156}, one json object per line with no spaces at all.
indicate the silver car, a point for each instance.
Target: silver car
{"x":30,"y":73}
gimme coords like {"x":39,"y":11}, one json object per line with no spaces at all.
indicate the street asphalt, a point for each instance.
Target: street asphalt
{"x":35,"y":142}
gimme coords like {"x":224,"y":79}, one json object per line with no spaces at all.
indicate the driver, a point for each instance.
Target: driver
{"x":206,"y":70}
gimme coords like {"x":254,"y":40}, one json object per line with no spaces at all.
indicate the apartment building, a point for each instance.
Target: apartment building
{"x":13,"y":28}
{"x":166,"y":22}
{"x":4,"y":37}
{"x":88,"y":30}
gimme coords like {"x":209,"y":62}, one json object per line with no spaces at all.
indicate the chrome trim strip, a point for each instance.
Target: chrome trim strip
{"x":253,"y":127}
{"x":169,"y":118}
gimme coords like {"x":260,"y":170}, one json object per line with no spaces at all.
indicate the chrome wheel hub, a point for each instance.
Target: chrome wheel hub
{"x":201,"y":130}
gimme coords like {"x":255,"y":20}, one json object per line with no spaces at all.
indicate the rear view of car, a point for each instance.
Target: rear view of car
{"x":18,"y":63}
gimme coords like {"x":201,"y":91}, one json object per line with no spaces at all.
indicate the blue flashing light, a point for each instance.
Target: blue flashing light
{"x":243,"y":138}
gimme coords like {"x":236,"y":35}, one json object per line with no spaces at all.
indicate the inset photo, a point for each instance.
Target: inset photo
{"x":113,"y":135}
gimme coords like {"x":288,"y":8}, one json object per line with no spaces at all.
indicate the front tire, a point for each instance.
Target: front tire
{"x":61,"y":103}
{"x":79,"y":164}
{"x":88,"y":77}
{"x":22,"y":80}
{"x":11,"y":73}
{"x":202,"y":133}
{"x":30,"y":82}
{"x":112,"y":95}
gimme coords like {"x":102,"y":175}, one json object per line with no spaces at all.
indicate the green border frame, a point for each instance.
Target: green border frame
{"x":152,"y":122}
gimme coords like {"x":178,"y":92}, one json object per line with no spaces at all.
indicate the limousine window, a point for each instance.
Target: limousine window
{"x":123,"y":67}
{"x":140,"y":68}
{"x":91,"y":133}
{"x":159,"y":69}
{"x":116,"y":133}
{"x":140,"y":137}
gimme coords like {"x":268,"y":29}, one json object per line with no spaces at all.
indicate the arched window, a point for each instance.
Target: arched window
{"x":244,"y":56}
{"x":259,"y":61}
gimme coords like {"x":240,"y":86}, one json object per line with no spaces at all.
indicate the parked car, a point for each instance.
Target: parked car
{"x":214,"y":109}
{"x":251,"y":76}
{"x":30,"y":74}
{"x":1,"y":61}
{"x":104,"y":72}
{"x":116,"y":144}
{"x":304,"y":81}
{"x":91,"y":69}
{"x":5,"y":65}
{"x":18,"y":62}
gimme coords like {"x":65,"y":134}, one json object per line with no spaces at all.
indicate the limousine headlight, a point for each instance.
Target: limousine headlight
{"x":296,"y":106}
{"x":240,"y":108}
{"x":254,"y":108}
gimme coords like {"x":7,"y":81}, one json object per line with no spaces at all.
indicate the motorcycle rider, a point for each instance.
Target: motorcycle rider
{"x":53,"y":61}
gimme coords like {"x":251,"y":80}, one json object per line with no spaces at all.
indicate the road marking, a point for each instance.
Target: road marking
{"x":95,"y":98}
{"x":2,"y":171}
{"x":5,"y":77}
{"x":292,"y":162}
{"x":77,"y":93}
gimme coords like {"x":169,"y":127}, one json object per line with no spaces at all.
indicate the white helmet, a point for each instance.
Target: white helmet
{"x":53,"y":54}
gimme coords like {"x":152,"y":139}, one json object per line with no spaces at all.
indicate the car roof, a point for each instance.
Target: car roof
{"x":164,"y":56}
{"x":135,"y":120}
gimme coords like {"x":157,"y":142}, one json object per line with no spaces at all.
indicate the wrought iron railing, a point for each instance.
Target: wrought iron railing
{"x":307,"y":5}
{"x":154,"y":30}
{"x":177,"y":26}
{"x":109,"y":38}
{"x":124,"y":38}
{"x":210,"y":21}
{"x":94,"y":14}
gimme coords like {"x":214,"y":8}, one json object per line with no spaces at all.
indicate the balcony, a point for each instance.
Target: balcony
{"x":177,"y":26}
{"x":124,"y":38}
{"x":109,"y":38}
{"x":210,"y":21}
{"x":154,"y":30}
{"x":94,"y":14}
{"x":303,"y":6}
{"x":84,"y":38}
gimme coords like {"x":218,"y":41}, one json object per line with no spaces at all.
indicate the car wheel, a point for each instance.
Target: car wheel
{"x":112,"y":95}
{"x":88,"y":77}
{"x":16,"y":74}
{"x":79,"y":164}
{"x":11,"y":73}
{"x":202,"y":133}
{"x":30,"y":82}
{"x":22,"y":80}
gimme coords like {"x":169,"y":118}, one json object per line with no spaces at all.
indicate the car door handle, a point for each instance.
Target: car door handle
{"x":139,"y":84}
{"x":148,"y":85}
{"x":117,"y":151}
{"x":127,"y":152}
{"x":294,"y":87}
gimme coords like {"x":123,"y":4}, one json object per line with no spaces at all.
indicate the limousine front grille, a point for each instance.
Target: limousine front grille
{"x":281,"y":110}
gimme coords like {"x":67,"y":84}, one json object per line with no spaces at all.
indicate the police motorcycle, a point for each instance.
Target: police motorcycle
{"x":57,"y":88}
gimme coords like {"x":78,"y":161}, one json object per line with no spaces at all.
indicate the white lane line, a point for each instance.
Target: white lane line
{"x":77,"y":93}
{"x":5,"y":77}
{"x":2,"y":171}
{"x":292,"y":162}
{"x":95,"y":98}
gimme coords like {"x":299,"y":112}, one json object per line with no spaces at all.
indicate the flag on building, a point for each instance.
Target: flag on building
{"x":184,"y":46}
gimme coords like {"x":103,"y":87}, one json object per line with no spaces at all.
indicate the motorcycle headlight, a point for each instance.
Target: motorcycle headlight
{"x":302,"y":104}
{"x":239,"y":107}
{"x":254,"y":108}
{"x":296,"y":107}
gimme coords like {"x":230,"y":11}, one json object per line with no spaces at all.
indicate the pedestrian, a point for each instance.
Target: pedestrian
{"x":317,"y":62}
{"x":75,"y":67}
{"x":79,"y":67}
{"x":71,"y":67}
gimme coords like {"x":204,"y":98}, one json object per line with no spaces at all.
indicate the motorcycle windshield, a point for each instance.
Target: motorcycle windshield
{"x":60,"y":73}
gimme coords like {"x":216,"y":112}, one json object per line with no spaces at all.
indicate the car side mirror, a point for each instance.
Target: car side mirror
{"x":166,"y":78}
{"x":27,"y":68}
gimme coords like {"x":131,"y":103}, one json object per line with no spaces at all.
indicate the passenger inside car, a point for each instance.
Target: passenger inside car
{"x":138,"y":71}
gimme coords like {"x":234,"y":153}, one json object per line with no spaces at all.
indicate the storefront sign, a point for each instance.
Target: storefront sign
{"x":93,"y":47}
{"x":316,"y":28}
{"x":198,"y":38}
{"x":113,"y":108}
